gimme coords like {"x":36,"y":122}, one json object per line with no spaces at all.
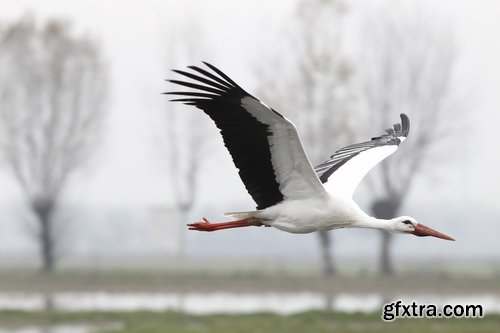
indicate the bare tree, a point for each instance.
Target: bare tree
{"x":186,"y":143}
{"x":309,"y":82}
{"x":407,"y":66}
{"x":52,"y":91}
{"x":185,"y":136}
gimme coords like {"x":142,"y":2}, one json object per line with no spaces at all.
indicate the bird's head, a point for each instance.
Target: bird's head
{"x":408,"y":225}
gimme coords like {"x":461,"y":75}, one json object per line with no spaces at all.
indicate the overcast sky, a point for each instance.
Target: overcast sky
{"x":134,"y":39}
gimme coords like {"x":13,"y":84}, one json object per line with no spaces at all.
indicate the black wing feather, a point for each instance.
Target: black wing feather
{"x":244,"y":136}
{"x":211,"y":76}
{"x":201,"y":79}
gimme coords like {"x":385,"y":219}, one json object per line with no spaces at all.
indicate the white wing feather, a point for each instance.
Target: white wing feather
{"x":294,"y":172}
{"x":345,"y":180}
{"x":344,"y":170}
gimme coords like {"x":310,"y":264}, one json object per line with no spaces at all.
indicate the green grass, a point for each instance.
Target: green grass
{"x":207,"y":281}
{"x":308,"y":322}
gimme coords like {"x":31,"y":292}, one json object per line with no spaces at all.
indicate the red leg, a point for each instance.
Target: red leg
{"x":205,"y":225}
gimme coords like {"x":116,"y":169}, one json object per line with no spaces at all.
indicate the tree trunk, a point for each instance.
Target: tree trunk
{"x":46,"y":244}
{"x":325,"y":247}
{"x":183,"y":215}
{"x":43,"y":210}
{"x":385,"y":262}
{"x":385,"y":208}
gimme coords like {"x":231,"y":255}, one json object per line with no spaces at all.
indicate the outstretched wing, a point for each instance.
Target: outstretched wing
{"x":344,"y":170}
{"x":264,"y":145}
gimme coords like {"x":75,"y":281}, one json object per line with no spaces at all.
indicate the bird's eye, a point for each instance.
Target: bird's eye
{"x":407,"y":222}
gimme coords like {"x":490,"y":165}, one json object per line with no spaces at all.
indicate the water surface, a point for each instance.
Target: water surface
{"x":222,"y":302}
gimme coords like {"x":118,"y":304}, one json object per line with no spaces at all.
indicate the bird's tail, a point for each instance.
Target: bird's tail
{"x":241,"y":215}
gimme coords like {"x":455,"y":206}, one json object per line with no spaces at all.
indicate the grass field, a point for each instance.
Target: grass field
{"x":309,"y":322}
{"x":245,"y":281}
{"x":209,"y":281}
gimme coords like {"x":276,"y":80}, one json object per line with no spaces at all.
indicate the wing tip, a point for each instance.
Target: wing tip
{"x":405,"y":123}
{"x":211,"y":80}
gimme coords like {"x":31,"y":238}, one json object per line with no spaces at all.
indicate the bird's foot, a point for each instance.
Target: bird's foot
{"x":206,"y":225}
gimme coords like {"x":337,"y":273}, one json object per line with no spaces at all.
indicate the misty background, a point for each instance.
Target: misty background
{"x":123,"y":205}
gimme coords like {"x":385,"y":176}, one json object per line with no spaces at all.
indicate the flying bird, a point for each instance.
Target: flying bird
{"x":265,"y":147}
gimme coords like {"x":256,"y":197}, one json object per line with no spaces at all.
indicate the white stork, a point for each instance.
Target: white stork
{"x":290,"y":194}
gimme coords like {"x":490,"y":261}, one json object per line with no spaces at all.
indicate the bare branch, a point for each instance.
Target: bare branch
{"x":406,"y":66}
{"x":311,"y":85}
{"x":52,"y":88}
{"x":184,"y":139}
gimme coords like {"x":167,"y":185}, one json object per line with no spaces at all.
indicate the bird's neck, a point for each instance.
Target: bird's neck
{"x":374,"y":223}
{"x":359,"y":218}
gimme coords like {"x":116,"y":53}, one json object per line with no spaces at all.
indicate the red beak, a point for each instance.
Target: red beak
{"x":423,"y":231}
